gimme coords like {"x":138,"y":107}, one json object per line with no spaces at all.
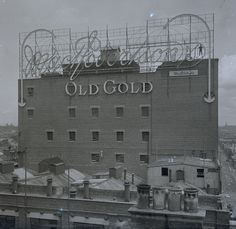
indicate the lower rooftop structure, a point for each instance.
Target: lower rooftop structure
{"x":54,"y":200}
{"x":199,"y":172}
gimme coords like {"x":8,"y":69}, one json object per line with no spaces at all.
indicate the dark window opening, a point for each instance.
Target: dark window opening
{"x":145,"y":136}
{"x":212,"y":170}
{"x":200,"y":172}
{"x":120,"y":158}
{"x":72,"y":135}
{"x":72,"y":112}
{"x":50,"y":135}
{"x":164,"y":171}
{"x":145,"y":111}
{"x":95,"y":112}
{"x":95,"y":136}
{"x":42,"y":223}
{"x":119,"y":111}
{"x":143,"y":158}
{"x":30,"y":113}
{"x":120,"y":136}
{"x":95,"y":157}
{"x":87,"y":226}
{"x":7,"y":221}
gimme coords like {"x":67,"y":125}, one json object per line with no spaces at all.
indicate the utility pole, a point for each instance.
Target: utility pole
{"x":25,"y":189}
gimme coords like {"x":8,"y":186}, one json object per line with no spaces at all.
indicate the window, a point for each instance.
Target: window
{"x":144,"y":111}
{"x":95,"y":135}
{"x":36,"y":222}
{"x":200,"y":172}
{"x":30,"y":91}
{"x":30,"y":112}
{"x":164,"y":171}
{"x":72,"y":135}
{"x":95,"y":157}
{"x":119,"y":112}
{"x":50,"y":135}
{"x":7,"y":221}
{"x":87,"y":226}
{"x":143,"y":158}
{"x":212,"y":170}
{"x":119,"y":136}
{"x":145,"y":136}
{"x":95,"y":112}
{"x":72,"y":112}
{"x":120,"y":158}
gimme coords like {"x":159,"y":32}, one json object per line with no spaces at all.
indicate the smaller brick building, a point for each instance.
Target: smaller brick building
{"x":202,"y":173}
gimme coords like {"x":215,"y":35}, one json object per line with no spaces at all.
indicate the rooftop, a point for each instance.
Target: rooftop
{"x":192,"y":161}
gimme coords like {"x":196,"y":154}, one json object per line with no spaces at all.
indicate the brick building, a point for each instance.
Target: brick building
{"x":114,"y":115}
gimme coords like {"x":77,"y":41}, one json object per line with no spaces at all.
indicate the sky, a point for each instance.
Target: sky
{"x":27,"y":15}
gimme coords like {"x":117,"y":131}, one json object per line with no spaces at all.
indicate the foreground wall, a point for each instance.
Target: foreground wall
{"x":60,"y":212}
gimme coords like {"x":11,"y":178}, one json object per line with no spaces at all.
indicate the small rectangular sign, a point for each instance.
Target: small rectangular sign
{"x":184,"y":73}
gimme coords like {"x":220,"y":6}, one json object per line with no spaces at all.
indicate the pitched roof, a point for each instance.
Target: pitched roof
{"x":111,"y":184}
{"x":71,"y":176}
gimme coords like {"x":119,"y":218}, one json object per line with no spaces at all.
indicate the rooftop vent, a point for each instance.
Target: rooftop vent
{"x":54,"y":165}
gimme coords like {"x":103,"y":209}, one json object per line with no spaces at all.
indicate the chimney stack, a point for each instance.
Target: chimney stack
{"x":132,"y":178}
{"x":73,"y":192}
{"x":127,"y":191}
{"x":86,"y":190}
{"x":125,"y":174}
{"x":143,"y":196}
{"x":15,"y":184}
{"x":49,"y":187}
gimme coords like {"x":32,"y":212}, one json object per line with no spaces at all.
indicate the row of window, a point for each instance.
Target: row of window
{"x":119,"y":111}
{"x":119,"y":157}
{"x":165,"y":172}
{"x":96,"y":135}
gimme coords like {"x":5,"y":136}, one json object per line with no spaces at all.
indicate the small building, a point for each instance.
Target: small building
{"x":54,"y":164}
{"x":202,"y":173}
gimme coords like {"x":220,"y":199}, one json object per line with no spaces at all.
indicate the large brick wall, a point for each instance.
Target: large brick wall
{"x":180,"y":122}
